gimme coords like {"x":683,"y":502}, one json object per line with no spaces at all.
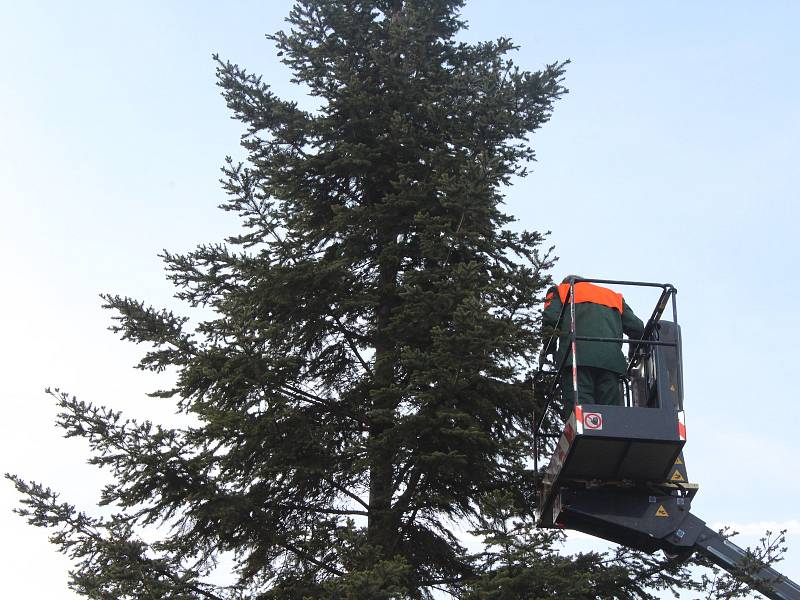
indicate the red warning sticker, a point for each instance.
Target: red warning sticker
{"x":593,"y":421}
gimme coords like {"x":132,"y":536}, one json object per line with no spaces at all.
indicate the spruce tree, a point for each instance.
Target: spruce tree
{"x":359,"y":391}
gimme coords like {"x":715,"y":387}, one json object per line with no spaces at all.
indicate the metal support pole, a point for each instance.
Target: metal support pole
{"x":573,"y":340}
{"x":535,"y":431}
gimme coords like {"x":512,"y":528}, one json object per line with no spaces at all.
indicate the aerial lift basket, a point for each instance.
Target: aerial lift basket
{"x":618,"y":472}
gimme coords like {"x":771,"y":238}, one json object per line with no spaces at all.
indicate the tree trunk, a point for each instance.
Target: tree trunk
{"x":382,"y":523}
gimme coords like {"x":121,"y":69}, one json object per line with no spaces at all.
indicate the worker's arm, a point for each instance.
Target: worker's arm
{"x":631,"y":324}
{"x":552,"y":309}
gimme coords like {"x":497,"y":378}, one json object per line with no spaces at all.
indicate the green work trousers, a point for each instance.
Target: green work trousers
{"x":595,"y":386}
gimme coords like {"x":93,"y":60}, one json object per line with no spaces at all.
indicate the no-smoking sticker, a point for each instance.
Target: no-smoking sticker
{"x":593,"y":421}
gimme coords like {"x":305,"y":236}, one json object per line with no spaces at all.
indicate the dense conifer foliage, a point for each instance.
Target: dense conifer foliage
{"x":358,"y":393}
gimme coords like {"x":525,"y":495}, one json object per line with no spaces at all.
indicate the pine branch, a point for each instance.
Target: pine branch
{"x":346,"y":492}
{"x":351,"y":344}
{"x":307,"y":557}
{"x":80,"y":537}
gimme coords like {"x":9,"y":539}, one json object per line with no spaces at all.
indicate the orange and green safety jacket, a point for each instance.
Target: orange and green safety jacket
{"x":599,"y":312}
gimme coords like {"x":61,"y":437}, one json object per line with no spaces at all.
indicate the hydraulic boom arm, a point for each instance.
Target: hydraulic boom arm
{"x":733,"y":559}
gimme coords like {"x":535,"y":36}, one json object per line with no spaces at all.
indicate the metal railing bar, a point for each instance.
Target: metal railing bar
{"x":631,"y":283}
{"x":583,"y":338}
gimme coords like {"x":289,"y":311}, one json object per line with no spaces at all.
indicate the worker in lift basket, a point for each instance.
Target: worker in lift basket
{"x":599,"y":312}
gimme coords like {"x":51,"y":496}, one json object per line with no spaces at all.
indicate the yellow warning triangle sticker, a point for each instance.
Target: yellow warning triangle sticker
{"x":676,"y":476}
{"x":679,"y":461}
{"x":661,"y":512}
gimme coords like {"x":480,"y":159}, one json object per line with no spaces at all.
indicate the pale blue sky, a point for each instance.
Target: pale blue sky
{"x":672,"y":159}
